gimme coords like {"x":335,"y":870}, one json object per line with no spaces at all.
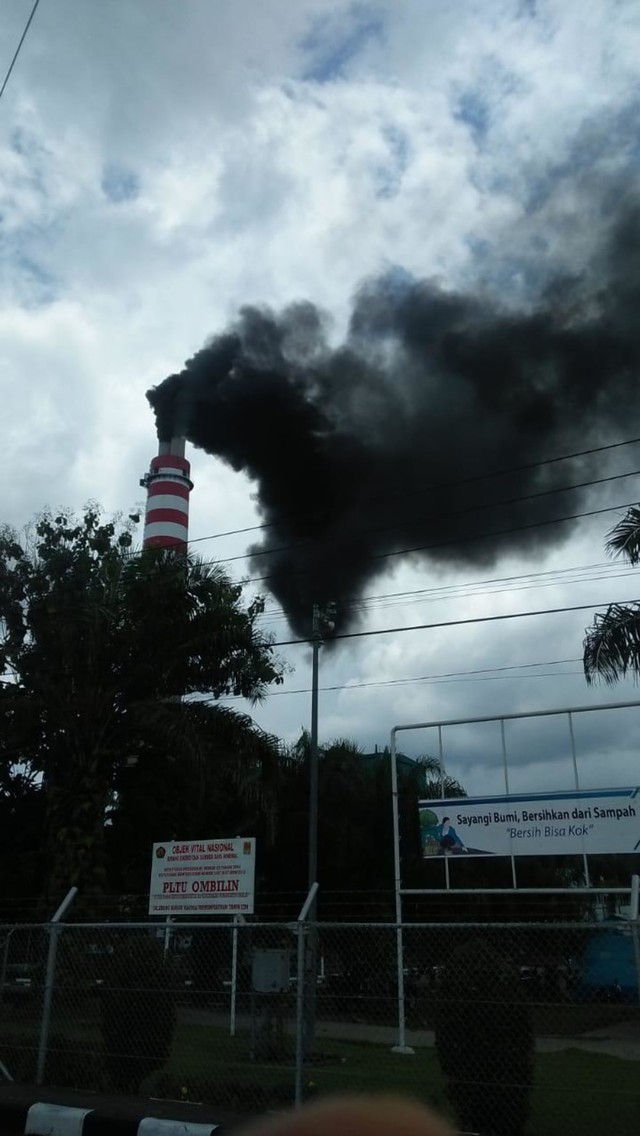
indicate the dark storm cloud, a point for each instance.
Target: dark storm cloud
{"x":382,"y":444}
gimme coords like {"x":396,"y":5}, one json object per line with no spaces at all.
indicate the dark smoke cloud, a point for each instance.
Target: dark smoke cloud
{"x":359,"y":451}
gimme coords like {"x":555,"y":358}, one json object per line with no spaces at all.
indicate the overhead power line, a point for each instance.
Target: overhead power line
{"x":499,"y":584}
{"x":505,"y":532}
{"x":480,"y":672}
{"x":468,"y":537}
{"x":437,"y":486}
{"x":456,"y":540}
{"x":442,"y":516}
{"x":466,"y":586}
{"x":18,"y":48}
{"x":455,"y":622}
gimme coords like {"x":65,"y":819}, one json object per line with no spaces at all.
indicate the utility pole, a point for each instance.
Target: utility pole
{"x":322,"y":620}
{"x":316,"y":643}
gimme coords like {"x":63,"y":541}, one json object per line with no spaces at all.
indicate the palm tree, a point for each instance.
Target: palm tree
{"x":435,"y":784}
{"x":612,"y":643}
{"x":198,"y":769}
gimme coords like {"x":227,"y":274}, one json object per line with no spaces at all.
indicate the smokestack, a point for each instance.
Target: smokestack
{"x":166,"y":523}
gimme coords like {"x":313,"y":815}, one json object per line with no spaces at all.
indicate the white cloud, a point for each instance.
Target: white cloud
{"x":161,"y":163}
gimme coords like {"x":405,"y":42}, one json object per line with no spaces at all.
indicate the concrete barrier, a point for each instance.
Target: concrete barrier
{"x":29,"y":1111}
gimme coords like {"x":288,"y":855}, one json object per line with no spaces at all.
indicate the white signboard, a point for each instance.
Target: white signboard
{"x":532,"y":824}
{"x":203,"y":877}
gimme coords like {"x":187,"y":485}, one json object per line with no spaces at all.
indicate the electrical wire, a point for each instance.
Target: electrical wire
{"x":455,"y":622}
{"x":480,"y":673}
{"x":465,"y":594}
{"x":496,"y":585}
{"x":478,"y":536}
{"x":442,"y":485}
{"x":416,"y":682}
{"x":452,"y":623}
{"x":18,"y":48}
{"x":456,"y":541}
{"x":136,"y":555}
{"x":440,"y":516}
{"x":416,"y":593}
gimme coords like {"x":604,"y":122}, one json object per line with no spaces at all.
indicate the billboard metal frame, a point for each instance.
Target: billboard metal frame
{"x":399,"y":891}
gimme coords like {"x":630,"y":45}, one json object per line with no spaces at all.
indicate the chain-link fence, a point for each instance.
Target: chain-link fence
{"x":511,"y":1028}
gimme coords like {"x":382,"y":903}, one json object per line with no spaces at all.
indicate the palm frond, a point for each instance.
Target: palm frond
{"x":201,"y":569}
{"x":624,"y":537}
{"x":429,"y":764}
{"x":344,"y":747}
{"x":612,"y":645}
{"x":214,"y":743}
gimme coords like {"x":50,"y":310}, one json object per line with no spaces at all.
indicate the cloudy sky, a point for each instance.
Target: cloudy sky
{"x":163,"y":162}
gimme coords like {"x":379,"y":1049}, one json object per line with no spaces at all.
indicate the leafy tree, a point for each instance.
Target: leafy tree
{"x":355,"y":837}
{"x":138,"y":1013}
{"x":485,"y":1042}
{"x":232,"y":791}
{"x":612,"y":643}
{"x":102,"y":653}
{"x":21,"y":822}
{"x":349,"y":806}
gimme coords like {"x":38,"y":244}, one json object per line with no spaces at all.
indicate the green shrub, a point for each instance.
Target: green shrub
{"x":209,"y":957}
{"x":20,"y":1055}
{"x":485,"y":1043}
{"x":72,"y":1065}
{"x":138,"y":1013}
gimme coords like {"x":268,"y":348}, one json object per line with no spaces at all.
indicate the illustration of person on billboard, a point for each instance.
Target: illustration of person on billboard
{"x":448,"y":838}
{"x":439,"y":838}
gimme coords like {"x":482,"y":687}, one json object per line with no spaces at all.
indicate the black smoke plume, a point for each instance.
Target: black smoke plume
{"x":381,"y":444}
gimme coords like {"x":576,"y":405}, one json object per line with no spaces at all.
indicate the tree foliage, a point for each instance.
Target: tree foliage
{"x":221,"y":776}
{"x":611,"y":648}
{"x":355,"y":833}
{"x":100,"y":651}
{"x":485,"y":1043}
{"x":138,"y":1013}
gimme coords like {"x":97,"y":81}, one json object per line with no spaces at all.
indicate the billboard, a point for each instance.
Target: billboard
{"x":532,"y":824}
{"x":203,"y":877}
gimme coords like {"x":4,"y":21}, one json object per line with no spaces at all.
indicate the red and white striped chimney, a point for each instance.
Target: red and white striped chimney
{"x":168,"y":485}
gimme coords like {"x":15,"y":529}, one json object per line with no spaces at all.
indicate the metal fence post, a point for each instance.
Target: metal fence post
{"x":5,"y":960}
{"x":54,"y":931}
{"x":301,"y":931}
{"x":167,"y":935}
{"x":505,"y":766}
{"x":634,"y":915}
{"x":237,"y":920}
{"x":401,"y":1045}
{"x":576,"y":781}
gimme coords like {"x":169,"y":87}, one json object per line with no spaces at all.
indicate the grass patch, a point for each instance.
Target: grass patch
{"x":210,"y":1065}
{"x":577,"y":1092}
{"x":574,"y":1092}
